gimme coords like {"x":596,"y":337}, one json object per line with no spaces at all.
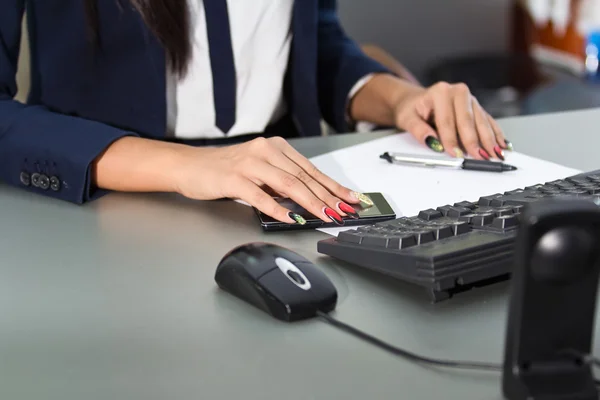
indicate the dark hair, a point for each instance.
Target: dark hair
{"x":168,"y":20}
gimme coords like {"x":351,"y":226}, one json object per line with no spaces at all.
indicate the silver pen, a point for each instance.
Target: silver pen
{"x":449,"y":162}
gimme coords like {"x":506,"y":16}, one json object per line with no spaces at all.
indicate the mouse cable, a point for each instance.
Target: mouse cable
{"x":432,"y":361}
{"x":595,"y":361}
{"x":407,"y":354}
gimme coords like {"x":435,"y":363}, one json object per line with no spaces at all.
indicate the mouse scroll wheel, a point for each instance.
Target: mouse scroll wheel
{"x":296,"y":277}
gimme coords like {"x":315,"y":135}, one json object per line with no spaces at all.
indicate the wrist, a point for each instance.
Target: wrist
{"x":379,"y":99}
{"x":172,"y":166}
{"x":400,"y":92}
{"x":187,"y":164}
{"x":133,"y":164}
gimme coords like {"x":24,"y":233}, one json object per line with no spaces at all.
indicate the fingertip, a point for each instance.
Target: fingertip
{"x":363,"y":199}
{"x":350,"y":196}
{"x":483,"y":154}
{"x":499,"y":152}
{"x":434,"y":144}
{"x":346,"y":210}
{"x":351,"y":199}
{"x":294,"y":218}
{"x":458,"y":153}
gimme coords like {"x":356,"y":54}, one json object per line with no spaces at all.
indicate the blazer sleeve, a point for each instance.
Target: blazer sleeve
{"x":41,"y":151}
{"x":341,"y":64}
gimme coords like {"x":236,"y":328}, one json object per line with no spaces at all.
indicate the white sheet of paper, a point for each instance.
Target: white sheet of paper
{"x":410,"y":189}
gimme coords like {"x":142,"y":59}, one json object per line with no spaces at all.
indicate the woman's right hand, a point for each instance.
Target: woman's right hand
{"x":250,"y":170}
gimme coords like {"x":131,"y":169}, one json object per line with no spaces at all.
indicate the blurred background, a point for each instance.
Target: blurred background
{"x":519,"y":57}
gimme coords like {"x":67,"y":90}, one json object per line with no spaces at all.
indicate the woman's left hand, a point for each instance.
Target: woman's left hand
{"x":458,"y":122}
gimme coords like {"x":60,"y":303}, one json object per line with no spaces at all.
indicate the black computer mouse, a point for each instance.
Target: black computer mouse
{"x":276,"y":280}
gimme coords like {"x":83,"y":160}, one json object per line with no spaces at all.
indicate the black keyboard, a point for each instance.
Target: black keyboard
{"x":454,"y":247}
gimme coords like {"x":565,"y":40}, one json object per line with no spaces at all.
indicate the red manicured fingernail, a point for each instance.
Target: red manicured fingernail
{"x":332,"y":215}
{"x":499,"y":152}
{"x":345,"y":208}
{"x":484,"y":154}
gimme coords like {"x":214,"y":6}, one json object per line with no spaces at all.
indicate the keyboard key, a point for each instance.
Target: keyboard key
{"x":465,"y":204}
{"x":483,"y":210}
{"x":377,"y":230}
{"x":430,"y":214}
{"x":553,"y":192}
{"x":504,"y":211}
{"x":577,"y":191}
{"x":550,"y":188}
{"x":444,"y":209}
{"x":498,"y":202}
{"x":438,"y":222}
{"x":505,"y":222}
{"x":591,"y":189}
{"x":517,"y":208}
{"x":389,"y":225}
{"x":424,"y":236}
{"x":456,"y":212}
{"x":401,"y":241}
{"x":482,"y":220}
{"x":351,"y":236}
{"x":533,"y":188}
{"x":587,"y":185}
{"x":578,"y":180}
{"x":516,"y":191}
{"x":466,"y":218}
{"x":460,"y":227}
{"x":487,"y":200}
{"x":594,"y":178}
{"x":374,"y":240}
{"x":404,"y":221}
{"x":443,"y":232}
{"x":566,"y":185}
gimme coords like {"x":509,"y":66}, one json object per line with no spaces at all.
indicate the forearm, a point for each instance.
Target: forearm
{"x":133,"y":164}
{"x":385,"y":59}
{"x":376,"y":102}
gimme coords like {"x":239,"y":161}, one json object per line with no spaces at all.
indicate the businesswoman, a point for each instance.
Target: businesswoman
{"x":167,"y":95}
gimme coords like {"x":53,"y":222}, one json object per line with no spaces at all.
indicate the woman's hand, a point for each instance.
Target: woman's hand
{"x":459,"y":120}
{"x":248,"y":171}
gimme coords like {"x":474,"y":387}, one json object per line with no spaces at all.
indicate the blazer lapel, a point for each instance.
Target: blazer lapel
{"x":303,"y":66}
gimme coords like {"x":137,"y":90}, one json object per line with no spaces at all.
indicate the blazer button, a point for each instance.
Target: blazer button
{"x":54,"y":183}
{"x":35,"y":179}
{"x":25,"y":178}
{"x":44,"y":182}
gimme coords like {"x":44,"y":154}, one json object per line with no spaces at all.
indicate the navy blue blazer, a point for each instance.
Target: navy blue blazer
{"x":82,"y":100}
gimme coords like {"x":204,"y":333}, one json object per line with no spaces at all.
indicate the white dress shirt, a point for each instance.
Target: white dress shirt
{"x":261,"y":38}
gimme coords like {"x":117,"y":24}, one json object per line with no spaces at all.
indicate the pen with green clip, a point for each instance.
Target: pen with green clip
{"x":448,"y":162}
